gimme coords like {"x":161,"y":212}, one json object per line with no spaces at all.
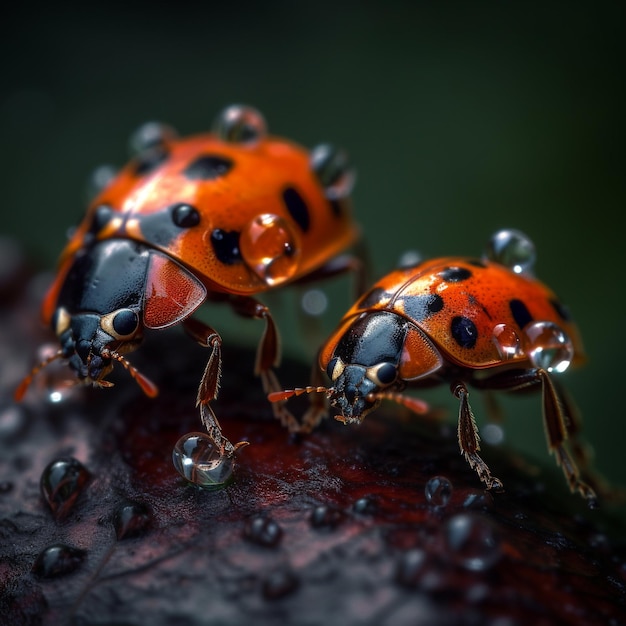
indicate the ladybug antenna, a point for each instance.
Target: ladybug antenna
{"x":18,"y":394}
{"x":279,"y":396}
{"x":414,"y":404}
{"x":147,"y":386}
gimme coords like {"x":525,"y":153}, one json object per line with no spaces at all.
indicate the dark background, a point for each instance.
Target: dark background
{"x":461,"y":118}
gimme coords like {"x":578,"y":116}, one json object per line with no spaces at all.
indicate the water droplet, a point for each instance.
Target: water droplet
{"x":410,"y":567}
{"x":513,"y":249}
{"x":324,"y":516}
{"x":61,"y":483}
{"x":149,"y":136}
{"x":314,"y":302}
{"x":197,"y":459}
{"x":548,"y":346}
{"x":58,"y":560}
{"x":493,"y":434}
{"x":279,"y":583}
{"x":332,"y":167}
{"x":270,"y":248}
{"x":131,"y":519}
{"x":438,"y":491}
{"x":240,"y":124}
{"x":263,"y":531}
{"x":364,"y":506}
{"x":507,"y":342}
{"x":473,"y":541}
{"x":409,"y":259}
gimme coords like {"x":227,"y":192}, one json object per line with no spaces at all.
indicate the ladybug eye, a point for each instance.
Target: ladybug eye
{"x":335,"y":368}
{"x":149,"y":136}
{"x":120,"y":324}
{"x":382,"y":374}
{"x":240,"y":124}
{"x":333,"y":170}
{"x":185,"y":215}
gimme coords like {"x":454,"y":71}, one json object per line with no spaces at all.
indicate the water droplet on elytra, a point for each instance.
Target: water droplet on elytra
{"x":410,"y":567}
{"x":507,"y":342}
{"x":280,"y":582}
{"x":263,"y":531}
{"x":196,"y":458}
{"x":61,"y":483}
{"x":473,"y":542}
{"x":438,"y":491}
{"x":548,"y":346}
{"x":513,"y":249}
{"x":324,"y":516}
{"x":58,"y":560}
{"x":131,"y":519}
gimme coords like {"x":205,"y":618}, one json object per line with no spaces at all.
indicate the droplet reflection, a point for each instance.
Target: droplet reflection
{"x":197,"y":459}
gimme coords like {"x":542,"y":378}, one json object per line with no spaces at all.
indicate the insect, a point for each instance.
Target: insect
{"x":483,"y":322}
{"x":215,"y":217}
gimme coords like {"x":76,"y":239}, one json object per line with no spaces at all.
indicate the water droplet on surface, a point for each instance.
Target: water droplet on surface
{"x":548,"y":346}
{"x":438,"y":491}
{"x":197,"y":459}
{"x":131,"y":519}
{"x":263,"y":531}
{"x":324,"y":516}
{"x":280,"y":582}
{"x":364,"y":506}
{"x":507,"y":342}
{"x":473,"y":541}
{"x":410,"y":567}
{"x":314,"y":302}
{"x":270,"y":248}
{"x":61,"y":483}
{"x":513,"y":249}
{"x":58,"y":560}
{"x":240,"y":124}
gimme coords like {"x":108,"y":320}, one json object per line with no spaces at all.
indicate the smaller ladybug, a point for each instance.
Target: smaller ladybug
{"x":482,"y":322}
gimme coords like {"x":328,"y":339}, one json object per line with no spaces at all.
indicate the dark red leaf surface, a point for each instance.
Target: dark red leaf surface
{"x":345,"y":526}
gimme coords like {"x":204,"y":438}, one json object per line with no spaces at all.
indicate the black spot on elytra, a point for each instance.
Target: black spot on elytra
{"x":151,"y":159}
{"x":520,"y":312}
{"x":226,"y":246}
{"x":297,"y":208}
{"x":208,"y":167}
{"x":562,"y":311}
{"x":464,"y":331}
{"x":455,"y":274}
{"x":422,"y":306}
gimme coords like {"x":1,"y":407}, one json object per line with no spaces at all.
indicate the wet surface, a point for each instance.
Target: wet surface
{"x":380,"y":524}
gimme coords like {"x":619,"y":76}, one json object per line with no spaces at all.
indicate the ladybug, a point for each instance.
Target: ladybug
{"x":485,"y":322}
{"x":214,"y":217}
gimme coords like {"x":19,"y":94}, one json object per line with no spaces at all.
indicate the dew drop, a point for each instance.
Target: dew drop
{"x":410,"y":567}
{"x":364,"y":506}
{"x":263,"y":531}
{"x":270,"y":248}
{"x":61,"y":483}
{"x":438,"y":491}
{"x":149,"y":136}
{"x":473,"y":542}
{"x":324,"y":516}
{"x":507,"y":342}
{"x":131,"y":519}
{"x":409,"y":259}
{"x":314,"y":302}
{"x":513,"y":249}
{"x":58,"y":560}
{"x":196,"y":458}
{"x":279,"y":583}
{"x":332,"y":167}
{"x":239,"y":123}
{"x":548,"y":346}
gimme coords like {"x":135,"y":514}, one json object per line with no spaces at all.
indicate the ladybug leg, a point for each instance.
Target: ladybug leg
{"x":210,"y":382}
{"x":469,"y":441}
{"x":267,"y":356}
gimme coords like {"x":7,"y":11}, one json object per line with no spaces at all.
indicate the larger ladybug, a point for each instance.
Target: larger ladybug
{"x":219,"y":216}
{"x":486,"y":322}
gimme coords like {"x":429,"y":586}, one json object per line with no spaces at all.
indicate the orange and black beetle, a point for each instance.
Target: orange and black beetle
{"x":461,"y":321}
{"x":220,"y":216}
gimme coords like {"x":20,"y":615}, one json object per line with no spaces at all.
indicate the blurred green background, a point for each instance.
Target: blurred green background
{"x":461,"y":118}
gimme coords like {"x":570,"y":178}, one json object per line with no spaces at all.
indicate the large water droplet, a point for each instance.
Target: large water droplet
{"x":270,"y":248}
{"x":263,"y":531}
{"x":507,"y":341}
{"x":61,"y":483}
{"x":131,"y":519}
{"x":196,"y":458}
{"x":513,"y":249}
{"x":438,"y":491}
{"x":473,"y":541}
{"x":58,"y":560}
{"x":548,"y":346}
